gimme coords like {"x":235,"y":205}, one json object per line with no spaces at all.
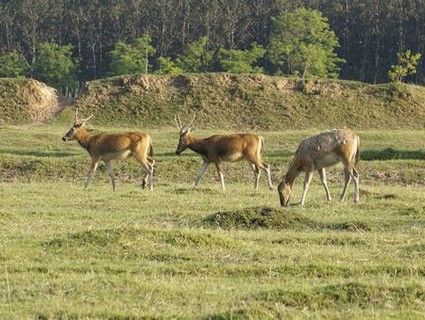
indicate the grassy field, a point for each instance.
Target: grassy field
{"x":184,"y":252}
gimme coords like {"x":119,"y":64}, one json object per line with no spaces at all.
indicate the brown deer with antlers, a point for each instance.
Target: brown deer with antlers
{"x":318,"y":152}
{"x":113,"y":146}
{"x":218,"y":148}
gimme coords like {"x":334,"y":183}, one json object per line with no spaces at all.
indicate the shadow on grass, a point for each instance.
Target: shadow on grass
{"x":197,"y":190}
{"x":329,"y":296}
{"x":38,"y":153}
{"x":392,"y":154}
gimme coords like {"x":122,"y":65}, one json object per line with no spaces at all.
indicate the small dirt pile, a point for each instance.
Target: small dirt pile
{"x":260,"y":217}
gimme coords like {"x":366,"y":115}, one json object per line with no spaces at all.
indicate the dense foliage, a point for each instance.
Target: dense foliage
{"x":370,"y":34}
{"x":303,"y":44}
{"x":55,"y":66}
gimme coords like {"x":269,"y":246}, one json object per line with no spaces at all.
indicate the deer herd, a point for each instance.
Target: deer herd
{"x":315,"y":153}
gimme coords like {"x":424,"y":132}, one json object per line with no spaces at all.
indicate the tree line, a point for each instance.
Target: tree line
{"x":364,"y":38}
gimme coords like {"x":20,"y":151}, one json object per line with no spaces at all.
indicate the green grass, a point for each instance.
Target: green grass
{"x":184,"y":252}
{"x":67,"y":253}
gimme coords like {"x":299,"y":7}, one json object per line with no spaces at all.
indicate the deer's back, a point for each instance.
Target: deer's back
{"x":232,"y":147}
{"x":114,"y":142}
{"x":328,"y":148}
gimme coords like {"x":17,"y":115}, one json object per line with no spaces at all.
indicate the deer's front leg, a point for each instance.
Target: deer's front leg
{"x":307,"y":180}
{"x":322,"y":174}
{"x":92,"y":169}
{"x":201,"y":171}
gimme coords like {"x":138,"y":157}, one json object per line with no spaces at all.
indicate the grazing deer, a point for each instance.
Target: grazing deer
{"x":113,"y":146}
{"x":218,"y":148}
{"x":321,"y":151}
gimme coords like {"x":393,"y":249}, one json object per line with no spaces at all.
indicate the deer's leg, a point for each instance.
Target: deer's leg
{"x":356,"y":179}
{"x":220,"y":174}
{"x":201,"y":171}
{"x":307,"y":180}
{"x":347,"y":179}
{"x":256,"y":166}
{"x":149,"y":175}
{"x":92,"y":169}
{"x":322,"y":174}
{"x":147,"y":164}
{"x":266,"y":168}
{"x":111,"y":173}
{"x":257,"y":173}
{"x":150,"y":161}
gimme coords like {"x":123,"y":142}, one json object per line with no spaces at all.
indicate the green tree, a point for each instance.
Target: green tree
{"x":197,"y":57}
{"x":302,"y":43}
{"x":407,"y":63}
{"x":167,"y":66}
{"x":13,"y":65}
{"x":241,"y":61}
{"x":55,"y":66}
{"x":131,"y":58}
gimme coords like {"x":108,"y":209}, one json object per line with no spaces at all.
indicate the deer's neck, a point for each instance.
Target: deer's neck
{"x":197,"y":145}
{"x":292,"y":173}
{"x":84,"y":138}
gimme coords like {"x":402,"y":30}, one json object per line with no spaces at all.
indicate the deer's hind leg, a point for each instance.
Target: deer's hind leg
{"x":148,"y":164}
{"x":220,"y":174}
{"x":256,"y":166}
{"x":355,"y":176}
{"x":347,"y":179}
{"x":257,"y":174}
{"x":267,"y":169}
{"x":111,"y":173}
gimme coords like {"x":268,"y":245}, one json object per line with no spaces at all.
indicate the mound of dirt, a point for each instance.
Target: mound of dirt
{"x":259,"y":217}
{"x":26,"y":100}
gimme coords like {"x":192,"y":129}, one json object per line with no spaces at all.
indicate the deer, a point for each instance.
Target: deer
{"x":319,"y":152}
{"x":113,"y":146}
{"x":224,"y":147}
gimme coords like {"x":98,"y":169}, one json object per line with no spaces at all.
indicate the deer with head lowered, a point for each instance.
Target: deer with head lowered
{"x":218,"y":148}
{"x":318,"y":152}
{"x":113,"y":146}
